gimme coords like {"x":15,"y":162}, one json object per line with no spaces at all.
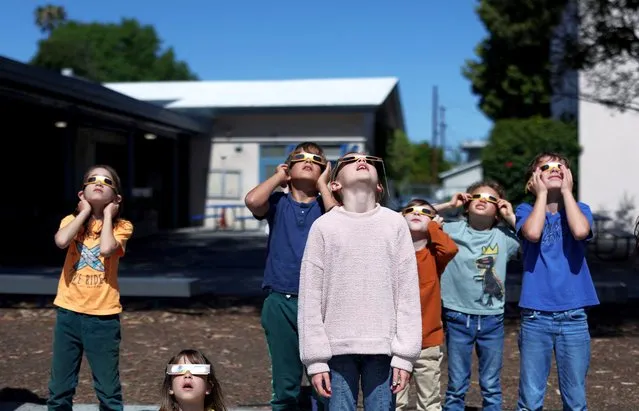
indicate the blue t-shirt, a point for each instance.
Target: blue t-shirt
{"x":289,"y":223}
{"x":474,"y":282}
{"x":556,"y":274}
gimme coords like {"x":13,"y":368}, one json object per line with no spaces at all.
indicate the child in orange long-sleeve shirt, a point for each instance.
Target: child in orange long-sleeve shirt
{"x":433,"y":249}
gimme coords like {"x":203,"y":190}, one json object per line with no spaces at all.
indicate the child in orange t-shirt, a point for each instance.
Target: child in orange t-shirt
{"x":434,"y":249}
{"x":88,"y":297}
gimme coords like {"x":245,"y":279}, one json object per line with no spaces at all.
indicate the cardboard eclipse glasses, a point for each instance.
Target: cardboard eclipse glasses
{"x":104,"y":180}
{"x":551,"y":166}
{"x":303,"y":156}
{"x":193,"y":369}
{"x":484,"y":196}
{"x":423,"y":210}
{"x":351,"y":158}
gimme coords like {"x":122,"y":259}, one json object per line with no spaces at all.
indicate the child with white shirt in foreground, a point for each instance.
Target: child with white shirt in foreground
{"x":359,"y":307}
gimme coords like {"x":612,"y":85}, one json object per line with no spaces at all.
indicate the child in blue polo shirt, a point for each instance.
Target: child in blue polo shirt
{"x":289,"y":218}
{"x":556,"y":286}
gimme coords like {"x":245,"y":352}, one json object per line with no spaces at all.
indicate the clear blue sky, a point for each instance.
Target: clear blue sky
{"x":422,"y":42}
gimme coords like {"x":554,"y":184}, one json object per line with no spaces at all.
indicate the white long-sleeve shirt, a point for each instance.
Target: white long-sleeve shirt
{"x":359,"y":290}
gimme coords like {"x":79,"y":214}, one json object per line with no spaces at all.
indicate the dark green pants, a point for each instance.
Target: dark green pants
{"x":279,"y":319}
{"x":99,"y":338}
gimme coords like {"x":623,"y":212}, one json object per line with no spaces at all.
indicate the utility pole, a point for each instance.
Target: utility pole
{"x":442,"y":130}
{"x":435,"y":112}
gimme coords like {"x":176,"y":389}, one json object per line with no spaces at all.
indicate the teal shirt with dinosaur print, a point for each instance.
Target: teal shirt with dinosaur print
{"x":474,"y":282}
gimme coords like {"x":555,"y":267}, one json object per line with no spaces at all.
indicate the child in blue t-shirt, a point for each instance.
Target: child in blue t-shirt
{"x":289,"y":217}
{"x":556,"y":285}
{"x":473,"y":292}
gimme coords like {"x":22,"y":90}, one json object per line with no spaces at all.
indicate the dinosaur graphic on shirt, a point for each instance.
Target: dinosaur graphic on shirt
{"x":492,"y":286}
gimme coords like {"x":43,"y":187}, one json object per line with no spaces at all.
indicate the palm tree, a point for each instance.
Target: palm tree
{"x":48,"y":17}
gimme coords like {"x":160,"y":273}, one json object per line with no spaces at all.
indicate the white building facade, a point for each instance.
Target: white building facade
{"x":609,"y":137}
{"x":257,"y":124}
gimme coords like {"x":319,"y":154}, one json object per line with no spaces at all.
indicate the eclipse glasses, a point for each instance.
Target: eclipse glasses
{"x":422,"y":210}
{"x":104,"y":180}
{"x":194,"y":369}
{"x":484,"y":196}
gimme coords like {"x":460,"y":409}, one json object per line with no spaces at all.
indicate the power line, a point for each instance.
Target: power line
{"x":435,"y":122}
{"x":442,"y":127}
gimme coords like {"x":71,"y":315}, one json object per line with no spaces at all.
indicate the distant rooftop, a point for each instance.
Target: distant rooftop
{"x":470,"y":144}
{"x":354,"y":92}
{"x":462,"y":168}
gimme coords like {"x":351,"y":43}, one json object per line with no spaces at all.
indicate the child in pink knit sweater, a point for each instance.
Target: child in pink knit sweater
{"x":359,"y":308}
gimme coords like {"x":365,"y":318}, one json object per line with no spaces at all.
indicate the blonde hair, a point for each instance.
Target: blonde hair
{"x":379,"y":195}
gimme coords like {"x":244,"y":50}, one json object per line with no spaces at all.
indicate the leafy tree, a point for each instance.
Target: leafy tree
{"x":48,"y":17}
{"x":399,"y":158}
{"x":512,"y":72}
{"x":601,"y":38}
{"x":422,"y":168}
{"x":514,"y":143}
{"x":410,"y":164}
{"x":107,"y":52}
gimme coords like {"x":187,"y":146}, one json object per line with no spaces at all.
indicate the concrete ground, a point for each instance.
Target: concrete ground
{"x":232,"y":264}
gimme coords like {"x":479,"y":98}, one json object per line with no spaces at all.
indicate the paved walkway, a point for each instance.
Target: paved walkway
{"x":232,"y":263}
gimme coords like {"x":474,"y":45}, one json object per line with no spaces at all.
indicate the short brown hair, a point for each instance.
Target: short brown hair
{"x":306,"y":147}
{"x":532,"y":166}
{"x":488,"y":183}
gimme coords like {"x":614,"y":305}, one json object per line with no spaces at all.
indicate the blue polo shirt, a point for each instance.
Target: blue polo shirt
{"x":289,"y":223}
{"x":556,"y":274}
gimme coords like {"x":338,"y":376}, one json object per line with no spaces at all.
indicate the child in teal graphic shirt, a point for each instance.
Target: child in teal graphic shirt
{"x":474,"y":292}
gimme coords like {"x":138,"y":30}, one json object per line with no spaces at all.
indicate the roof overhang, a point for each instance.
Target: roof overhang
{"x":379,"y":95}
{"x":46,"y":87}
{"x":346,"y":92}
{"x":392,"y":111}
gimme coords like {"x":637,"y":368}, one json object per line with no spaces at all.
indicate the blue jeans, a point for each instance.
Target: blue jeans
{"x":566,"y":333}
{"x":485,"y":334}
{"x":376,"y":374}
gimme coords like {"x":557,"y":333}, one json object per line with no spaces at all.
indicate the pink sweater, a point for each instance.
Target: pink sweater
{"x":359,"y":292}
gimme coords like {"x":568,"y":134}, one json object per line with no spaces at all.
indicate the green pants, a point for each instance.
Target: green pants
{"x":97,"y":336}
{"x":279,"y":319}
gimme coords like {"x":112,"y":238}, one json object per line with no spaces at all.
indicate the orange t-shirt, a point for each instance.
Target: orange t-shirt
{"x":89,"y":281}
{"x":431,"y":261}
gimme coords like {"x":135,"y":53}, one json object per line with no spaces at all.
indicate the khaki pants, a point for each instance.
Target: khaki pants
{"x":425,"y":377}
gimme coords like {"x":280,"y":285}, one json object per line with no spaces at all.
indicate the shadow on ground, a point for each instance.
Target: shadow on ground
{"x":229,"y":265}
{"x":196,"y":306}
{"x":12,"y":398}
